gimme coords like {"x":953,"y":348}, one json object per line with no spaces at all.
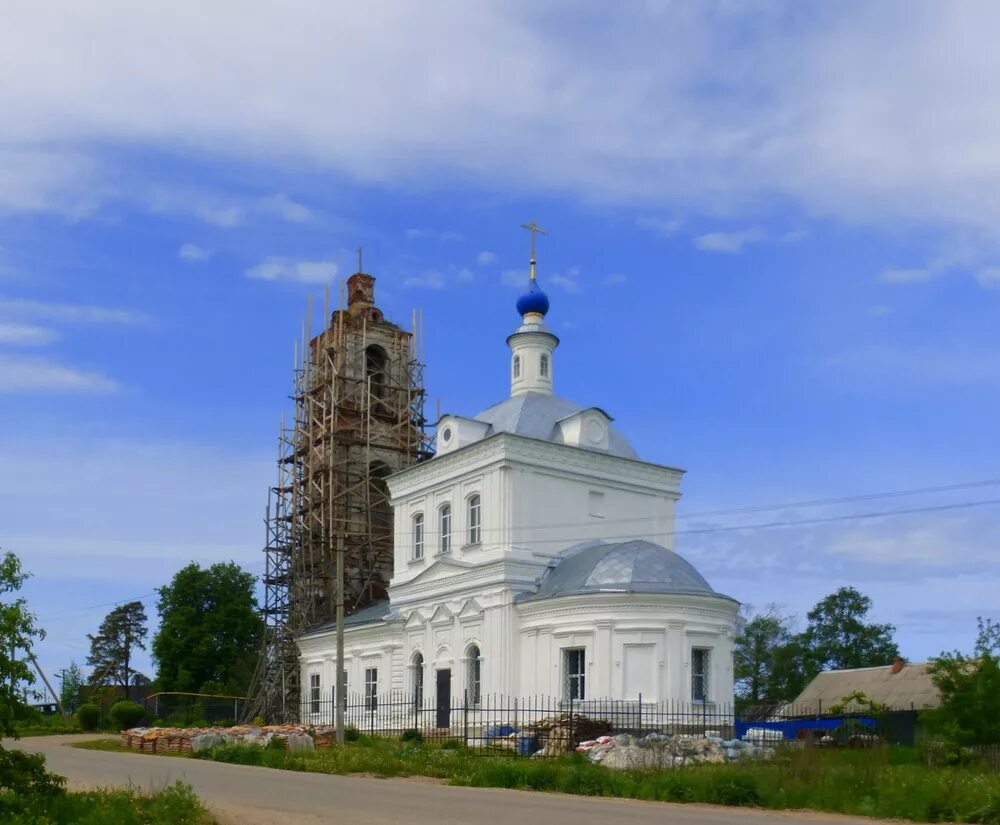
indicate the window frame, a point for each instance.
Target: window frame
{"x":315,"y":687}
{"x":417,"y":525}
{"x":417,"y":663}
{"x":371,"y":688}
{"x":517,"y":367}
{"x":474,"y":512}
{"x":574,"y":683}
{"x":543,"y":365}
{"x":444,"y":528}
{"x":701,"y":679}
{"x":474,"y":675}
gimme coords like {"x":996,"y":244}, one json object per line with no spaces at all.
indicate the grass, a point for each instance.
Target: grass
{"x":174,"y":805}
{"x":882,"y":782}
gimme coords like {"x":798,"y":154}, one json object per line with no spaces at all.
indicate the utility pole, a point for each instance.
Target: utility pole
{"x":341,"y":686}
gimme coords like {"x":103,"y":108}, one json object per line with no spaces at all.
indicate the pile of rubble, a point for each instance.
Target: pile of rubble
{"x":663,"y":750}
{"x":557,"y":733}
{"x":295,"y":738}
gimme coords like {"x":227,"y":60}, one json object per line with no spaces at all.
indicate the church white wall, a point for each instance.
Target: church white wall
{"x":536,"y":499}
{"x":634,"y":644}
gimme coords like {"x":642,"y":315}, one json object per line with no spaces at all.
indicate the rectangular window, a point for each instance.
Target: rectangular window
{"x":418,"y":536}
{"x":475,"y":530}
{"x":371,"y":688}
{"x":700,"y":657}
{"x":575,"y":673}
{"x":314,"y":687}
{"x":445,"y":518}
{"x":595,"y":504}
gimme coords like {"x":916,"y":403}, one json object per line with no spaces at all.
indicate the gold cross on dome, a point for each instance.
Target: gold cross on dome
{"x":534,"y":229}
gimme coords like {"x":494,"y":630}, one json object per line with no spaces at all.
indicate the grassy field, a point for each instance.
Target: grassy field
{"x":175,"y":805}
{"x":882,"y":782}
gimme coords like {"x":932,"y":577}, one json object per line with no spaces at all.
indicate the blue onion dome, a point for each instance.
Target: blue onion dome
{"x":534,"y":300}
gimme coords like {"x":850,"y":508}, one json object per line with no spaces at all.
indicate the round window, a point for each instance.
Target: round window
{"x":446,"y":434}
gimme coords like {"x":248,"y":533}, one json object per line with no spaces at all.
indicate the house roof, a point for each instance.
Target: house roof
{"x":535,"y":415}
{"x":374,"y":613}
{"x":623,"y":567}
{"x":910,"y":687}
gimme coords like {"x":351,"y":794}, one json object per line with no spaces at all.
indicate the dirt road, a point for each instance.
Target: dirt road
{"x":260,"y":796}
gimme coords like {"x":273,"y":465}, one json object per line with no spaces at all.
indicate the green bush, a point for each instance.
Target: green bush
{"x":351,"y":734}
{"x":412,"y":735}
{"x":126,"y":714}
{"x":451,"y":745}
{"x":89,"y":716}
{"x":174,"y":805}
{"x":24,"y":773}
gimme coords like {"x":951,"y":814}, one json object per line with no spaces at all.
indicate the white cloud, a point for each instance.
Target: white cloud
{"x":989,"y":277}
{"x":567,"y":282}
{"x":729,"y":242}
{"x":25,"y":334}
{"x":615,"y":278}
{"x":465,"y":275}
{"x":193,"y":252}
{"x":851,"y":111}
{"x":284,"y":207}
{"x":289,"y":269}
{"x":434,"y":234}
{"x":899,"y":275}
{"x":661,"y":226}
{"x":886,"y":364}
{"x":31,"y":310}
{"x":486,"y":258}
{"x":24,"y":375}
{"x":430,"y":279}
{"x":514,"y":277}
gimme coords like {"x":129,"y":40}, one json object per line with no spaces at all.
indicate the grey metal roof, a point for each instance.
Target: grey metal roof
{"x":535,"y":415}
{"x":625,"y":567}
{"x":367,"y":615}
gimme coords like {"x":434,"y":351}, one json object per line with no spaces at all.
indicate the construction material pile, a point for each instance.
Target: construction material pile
{"x":558,"y":733}
{"x":663,"y":750}
{"x":296,"y":738}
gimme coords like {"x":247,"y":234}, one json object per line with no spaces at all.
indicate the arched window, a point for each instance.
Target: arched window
{"x":475,"y":519}
{"x":418,"y":536}
{"x":418,"y":680}
{"x":375,"y":370}
{"x":517,"y":366}
{"x":543,"y":366}
{"x":474,"y":676}
{"x":444,"y":519}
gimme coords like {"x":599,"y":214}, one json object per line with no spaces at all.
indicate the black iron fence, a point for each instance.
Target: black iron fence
{"x":520,"y":725}
{"x":187,"y":709}
{"x":527,"y":724}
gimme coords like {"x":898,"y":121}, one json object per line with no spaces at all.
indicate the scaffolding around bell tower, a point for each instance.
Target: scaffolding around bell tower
{"x":358,"y":417}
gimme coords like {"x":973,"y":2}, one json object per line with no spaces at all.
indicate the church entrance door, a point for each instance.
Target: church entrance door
{"x":444,"y":698}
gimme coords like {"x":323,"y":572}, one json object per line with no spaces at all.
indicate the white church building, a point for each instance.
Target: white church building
{"x":534,"y":556}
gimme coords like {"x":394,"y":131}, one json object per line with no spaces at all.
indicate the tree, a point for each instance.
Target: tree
{"x":210,"y":630}
{"x":969,"y":713}
{"x":17,"y":632}
{"x":71,"y":689}
{"x":760,"y":656}
{"x":837,"y":636}
{"x":120,"y":635}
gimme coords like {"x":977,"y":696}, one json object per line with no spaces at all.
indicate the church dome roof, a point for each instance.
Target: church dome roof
{"x":536,"y":415}
{"x":533,"y":300}
{"x":626,"y":567}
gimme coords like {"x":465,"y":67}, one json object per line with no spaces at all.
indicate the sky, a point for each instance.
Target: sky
{"x":772,"y":256}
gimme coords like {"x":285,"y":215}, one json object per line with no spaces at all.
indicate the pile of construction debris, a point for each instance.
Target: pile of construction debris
{"x":556,"y":734}
{"x":663,"y":750}
{"x":295,"y":738}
